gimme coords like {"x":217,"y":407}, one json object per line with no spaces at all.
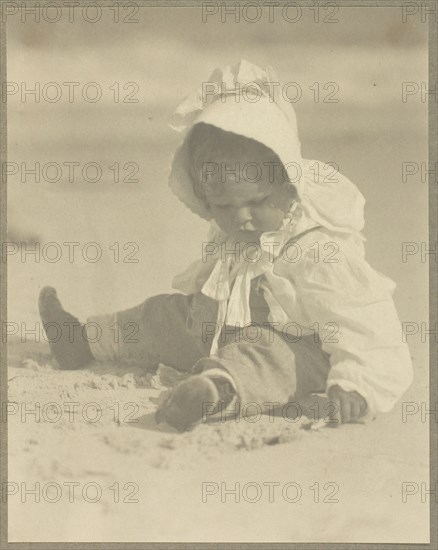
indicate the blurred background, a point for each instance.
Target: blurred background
{"x":369,"y":133}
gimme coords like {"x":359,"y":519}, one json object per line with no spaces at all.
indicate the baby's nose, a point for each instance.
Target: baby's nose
{"x":243,"y":214}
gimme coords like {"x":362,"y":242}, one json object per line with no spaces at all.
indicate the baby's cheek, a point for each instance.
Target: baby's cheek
{"x":271,"y":218}
{"x":223,"y":219}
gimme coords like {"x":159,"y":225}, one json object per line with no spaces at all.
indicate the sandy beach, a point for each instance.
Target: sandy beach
{"x":92,"y":440}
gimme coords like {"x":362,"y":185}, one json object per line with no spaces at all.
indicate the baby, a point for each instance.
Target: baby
{"x":283,"y":303}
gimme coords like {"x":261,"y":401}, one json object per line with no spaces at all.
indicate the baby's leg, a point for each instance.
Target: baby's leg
{"x":266,"y":367}
{"x":167,"y":329}
{"x":266,"y":371}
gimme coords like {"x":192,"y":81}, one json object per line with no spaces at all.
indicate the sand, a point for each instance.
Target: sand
{"x":102,"y":470}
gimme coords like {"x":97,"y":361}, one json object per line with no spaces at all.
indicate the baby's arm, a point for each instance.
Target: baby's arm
{"x":358,"y":327}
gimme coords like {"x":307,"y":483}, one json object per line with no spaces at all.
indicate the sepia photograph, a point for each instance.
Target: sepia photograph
{"x":219,"y":271}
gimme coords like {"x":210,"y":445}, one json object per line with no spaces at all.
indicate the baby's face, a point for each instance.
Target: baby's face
{"x":250,"y":207}
{"x":246,"y":209}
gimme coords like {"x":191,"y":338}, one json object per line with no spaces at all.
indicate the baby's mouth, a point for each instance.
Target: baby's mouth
{"x":247,"y":226}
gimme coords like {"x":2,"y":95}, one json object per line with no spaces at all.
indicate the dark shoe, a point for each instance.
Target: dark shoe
{"x":67,"y":339}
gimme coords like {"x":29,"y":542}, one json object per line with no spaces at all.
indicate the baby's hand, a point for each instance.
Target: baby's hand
{"x":349,"y":406}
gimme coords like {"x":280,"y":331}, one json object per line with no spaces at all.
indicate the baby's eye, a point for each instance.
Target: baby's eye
{"x":263,"y":202}
{"x":256,"y":203}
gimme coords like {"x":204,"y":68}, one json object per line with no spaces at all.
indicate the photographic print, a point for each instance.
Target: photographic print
{"x":218,"y":274}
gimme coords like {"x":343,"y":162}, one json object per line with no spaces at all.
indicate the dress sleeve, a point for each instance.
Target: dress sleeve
{"x":356,"y":320}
